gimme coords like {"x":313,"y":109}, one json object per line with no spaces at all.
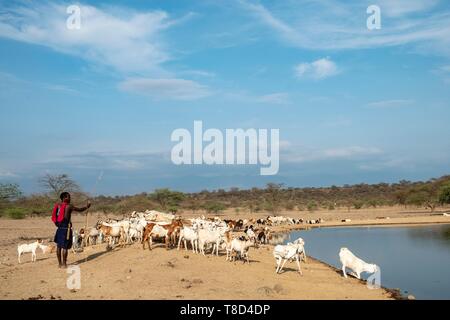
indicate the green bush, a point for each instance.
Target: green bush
{"x":15,"y":213}
{"x":172,"y":209}
{"x":373,"y":203}
{"x":417,"y":198}
{"x":214,"y":207}
{"x":358,"y":204}
{"x":312,"y":206}
{"x":444,"y":194}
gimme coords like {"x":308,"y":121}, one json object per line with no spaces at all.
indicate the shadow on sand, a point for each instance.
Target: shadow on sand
{"x":94,"y":256}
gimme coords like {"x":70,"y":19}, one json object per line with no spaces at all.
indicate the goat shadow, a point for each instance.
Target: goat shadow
{"x":241,"y":260}
{"x":348,"y":272}
{"x":37,"y":259}
{"x":288,"y":269}
{"x":250,"y":261}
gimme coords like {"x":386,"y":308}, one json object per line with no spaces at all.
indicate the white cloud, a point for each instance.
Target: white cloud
{"x":172,"y":89}
{"x":390,"y":103}
{"x":125,"y":40}
{"x":319,"y":69}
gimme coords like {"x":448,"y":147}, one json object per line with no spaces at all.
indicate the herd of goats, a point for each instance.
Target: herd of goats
{"x":203,"y":234}
{"x":235,"y":236}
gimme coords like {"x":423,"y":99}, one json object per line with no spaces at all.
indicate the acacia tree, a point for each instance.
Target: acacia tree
{"x":167,"y":199}
{"x":56,"y":184}
{"x":444,"y":194}
{"x":9,"y":191}
{"x":273,"y":196}
{"x":214,"y":207}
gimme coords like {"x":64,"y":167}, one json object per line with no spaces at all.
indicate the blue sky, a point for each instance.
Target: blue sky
{"x":352,"y":105}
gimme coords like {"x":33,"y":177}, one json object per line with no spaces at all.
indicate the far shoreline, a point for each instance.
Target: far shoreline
{"x":384,"y":223}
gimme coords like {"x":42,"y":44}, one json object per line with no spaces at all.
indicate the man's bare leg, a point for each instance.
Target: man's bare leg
{"x":64,"y":254}
{"x":58,"y":255}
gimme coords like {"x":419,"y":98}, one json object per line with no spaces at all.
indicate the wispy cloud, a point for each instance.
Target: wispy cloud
{"x":8,"y":80}
{"x":443,"y":72}
{"x":312,"y":25}
{"x":250,"y":97}
{"x":123,"y":161}
{"x":274,"y":98}
{"x":59,"y":87}
{"x":386,"y":164}
{"x":319,"y":69}
{"x":400,"y":8}
{"x":199,"y":73}
{"x":352,"y":151}
{"x":172,"y":89}
{"x":390,"y":103}
{"x":4,"y":174}
{"x":304,"y":154}
{"x":339,"y":121}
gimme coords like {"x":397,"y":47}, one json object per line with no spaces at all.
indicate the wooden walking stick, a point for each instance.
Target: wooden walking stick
{"x":86,"y":228}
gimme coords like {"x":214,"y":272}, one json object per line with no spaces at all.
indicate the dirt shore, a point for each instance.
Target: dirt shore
{"x":132,"y":273}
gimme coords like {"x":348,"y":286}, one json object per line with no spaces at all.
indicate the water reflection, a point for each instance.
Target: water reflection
{"x":439,"y":233}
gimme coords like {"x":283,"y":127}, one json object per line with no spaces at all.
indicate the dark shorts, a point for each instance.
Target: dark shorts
{"x":61,"y":238}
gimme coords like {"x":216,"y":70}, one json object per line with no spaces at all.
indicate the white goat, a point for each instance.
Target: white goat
{"x":134,"y":234}
{"x":206,"y":236}
{"x":349,"y":260}
{"x":92,"y":236}
{"x":189,"y":234}
{"x":289,"y":252}
{"x":27,"y":248}
{"x":239,"y":246}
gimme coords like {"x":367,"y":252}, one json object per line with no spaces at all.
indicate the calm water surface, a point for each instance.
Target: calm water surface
{"x":414,"y":259}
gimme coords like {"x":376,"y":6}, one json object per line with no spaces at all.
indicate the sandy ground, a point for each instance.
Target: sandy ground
{"x":132,"y":273}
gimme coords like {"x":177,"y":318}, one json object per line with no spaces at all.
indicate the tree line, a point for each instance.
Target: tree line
{"x":274,"y":198}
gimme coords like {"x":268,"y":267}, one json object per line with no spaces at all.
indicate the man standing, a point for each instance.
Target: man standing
{"x":61,"y":216}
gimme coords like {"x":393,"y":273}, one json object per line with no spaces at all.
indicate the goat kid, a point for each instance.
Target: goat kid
{"x":31,"y":248}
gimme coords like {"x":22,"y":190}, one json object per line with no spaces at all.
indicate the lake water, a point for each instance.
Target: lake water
{"x":415,"y":259}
